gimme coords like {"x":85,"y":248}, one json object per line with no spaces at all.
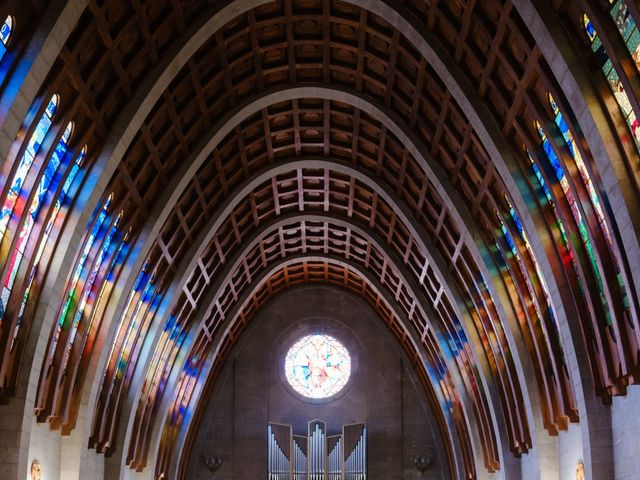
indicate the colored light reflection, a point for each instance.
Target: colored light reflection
{"x":142,"y":297}
{"x":523,"y":268}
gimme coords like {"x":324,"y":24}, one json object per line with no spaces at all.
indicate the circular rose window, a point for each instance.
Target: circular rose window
{"x":317,"y":366}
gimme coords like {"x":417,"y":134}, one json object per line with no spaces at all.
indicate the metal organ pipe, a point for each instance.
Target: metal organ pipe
{"x":317,"y":456}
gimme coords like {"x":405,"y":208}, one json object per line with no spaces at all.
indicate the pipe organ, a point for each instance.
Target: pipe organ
{"x":299,"y":469}
{"x":334,"y":458}
{"x":355,"y":447}
{"x":317,"y":450}
{"x":280,"y":440}
{"x":317,"y":456}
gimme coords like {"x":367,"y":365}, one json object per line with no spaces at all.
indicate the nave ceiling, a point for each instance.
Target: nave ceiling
{"x":465,"y":167}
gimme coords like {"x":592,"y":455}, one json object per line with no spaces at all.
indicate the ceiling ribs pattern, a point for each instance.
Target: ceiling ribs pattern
{"x":293,"y":42}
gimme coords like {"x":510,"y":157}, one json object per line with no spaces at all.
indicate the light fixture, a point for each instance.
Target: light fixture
{"x":213,"y":464}
{"x":422,"y":463}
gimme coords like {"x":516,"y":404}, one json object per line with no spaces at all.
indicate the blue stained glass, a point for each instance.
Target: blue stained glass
{"x":142,"y":279}
{"x":588,"y":183}
{"x":6,"y":29}
{"x":627,"y":28}
{"x":117,"y":259}
{"x":543,"y":184}
{"x":43,"y":241}
{"x":52,"y":106}
{"x":611,"y":74}
{"x":43,"y":127}
{"x":5,"y":33}
{"x":564,"y":128}
{"x":510,"y":242}
{"x":52,"y":168}
{"x":516,"y":220}
{"x":590,"y":29}
{"x":67,"y":183}
{"x":553,"y":158}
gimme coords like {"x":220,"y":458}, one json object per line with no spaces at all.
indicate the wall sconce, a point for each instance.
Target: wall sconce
{"x":422,"y":463}
{"x":213,"y":464}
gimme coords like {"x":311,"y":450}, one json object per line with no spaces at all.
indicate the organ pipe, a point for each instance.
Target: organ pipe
{"x":317,"y":456}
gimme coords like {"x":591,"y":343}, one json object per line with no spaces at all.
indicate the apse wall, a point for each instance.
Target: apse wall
{"x":252,"y":391}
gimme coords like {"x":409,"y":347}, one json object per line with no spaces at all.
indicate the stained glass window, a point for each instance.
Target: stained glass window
{"x":56,"y":217}
{"x":72,"y":300}
{"x":627,"y":28}
{"x":25,"y":163}
{"x":317,"y":366}
{"x":575,"y":210}
{"x":612,"y":78}
{"x":36,"y":203}
{"x":586,"y":180}
{"x":88,"y":297}
{"x":5,"y":35}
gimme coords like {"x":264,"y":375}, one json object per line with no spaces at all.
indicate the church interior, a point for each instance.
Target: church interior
{"x":319,"y":239}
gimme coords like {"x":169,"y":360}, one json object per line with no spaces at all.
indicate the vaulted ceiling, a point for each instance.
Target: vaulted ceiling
{"x":470,"y":168}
